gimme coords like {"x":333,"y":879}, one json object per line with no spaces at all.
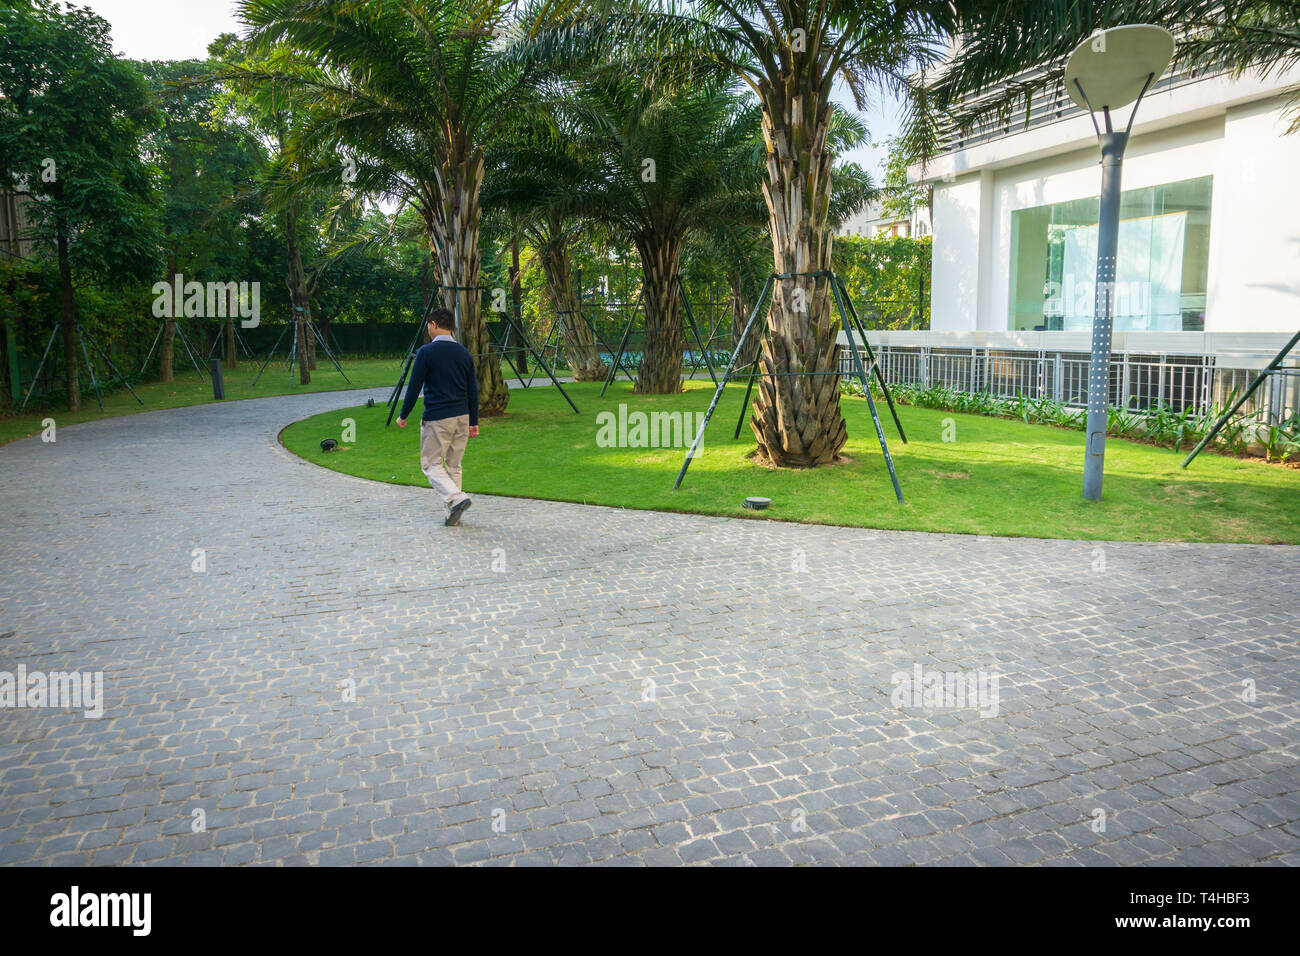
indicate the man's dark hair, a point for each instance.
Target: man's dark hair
{"x":443,"y":319}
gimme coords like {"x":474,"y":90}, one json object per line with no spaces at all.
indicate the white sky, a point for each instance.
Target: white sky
{"x":165,"y":29}
{"x":182,"y":30}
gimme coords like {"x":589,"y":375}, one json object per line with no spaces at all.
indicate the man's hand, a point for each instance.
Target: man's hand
{"x":401,"y":423}
{"x":473,"y":431}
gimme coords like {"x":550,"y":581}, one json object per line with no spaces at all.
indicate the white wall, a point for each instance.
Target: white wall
{"x":1255,"y":225}
{"x":1254,"y":266}
{"x":954,"y":272}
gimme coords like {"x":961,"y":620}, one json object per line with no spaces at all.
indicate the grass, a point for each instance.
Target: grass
{"x":998,"y":477}
{"x":189,"y":388}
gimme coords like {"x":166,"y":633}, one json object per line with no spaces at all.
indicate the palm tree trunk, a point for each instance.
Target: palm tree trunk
{"x":68,"y":314}
{"x":579,"y":342}
{"x":311,"y":346}
{"x":515,"y":340}
{"x":797,"y":420}
{"x":661,"y":360}
{"x":167,"y":348}
{"x":299,"y":298}
{"x":459,"y":260}
{"x":232,"y":354}
{"x":741,"y":306}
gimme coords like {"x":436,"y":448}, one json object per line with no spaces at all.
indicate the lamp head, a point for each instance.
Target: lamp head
{"x":1112,"y":65}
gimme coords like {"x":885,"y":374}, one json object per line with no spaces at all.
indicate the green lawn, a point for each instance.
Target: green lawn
{"x":999,"y":477}
{"x":189,"y":388}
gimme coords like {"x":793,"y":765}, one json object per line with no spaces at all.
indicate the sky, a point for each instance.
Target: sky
{"x":182,"y":30}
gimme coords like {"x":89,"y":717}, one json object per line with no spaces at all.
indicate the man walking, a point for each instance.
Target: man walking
{"x":445,"y":371}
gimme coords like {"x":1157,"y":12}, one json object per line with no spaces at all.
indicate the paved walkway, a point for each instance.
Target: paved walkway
{"x":348,"y":681}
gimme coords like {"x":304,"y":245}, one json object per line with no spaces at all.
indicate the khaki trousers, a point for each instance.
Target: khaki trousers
{"x":442,"y":447}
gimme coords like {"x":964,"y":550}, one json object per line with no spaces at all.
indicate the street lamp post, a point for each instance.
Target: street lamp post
{"x":1109,"y":70}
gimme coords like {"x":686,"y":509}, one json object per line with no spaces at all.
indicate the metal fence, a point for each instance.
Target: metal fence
{"x":1138,"y":381}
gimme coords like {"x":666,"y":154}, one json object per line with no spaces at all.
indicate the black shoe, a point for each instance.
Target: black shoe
{"x":457,"y":510}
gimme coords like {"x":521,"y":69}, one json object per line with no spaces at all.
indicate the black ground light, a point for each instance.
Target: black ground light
{"x":847,"y":317}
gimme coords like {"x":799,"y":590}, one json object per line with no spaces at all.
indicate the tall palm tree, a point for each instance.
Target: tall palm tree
{"x":790,"y":53}
{"x":532,"y":174}
{"x":669,"y":159}
{"x":742,"y":243}
{"x":413,"y":92}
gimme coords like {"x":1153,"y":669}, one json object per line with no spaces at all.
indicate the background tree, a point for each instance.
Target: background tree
{"x":205,"y":166}
{"x":533,"y":176}
{"x":668,"y":160}
{"x":899,"y":198}
{"x":72,"y":116}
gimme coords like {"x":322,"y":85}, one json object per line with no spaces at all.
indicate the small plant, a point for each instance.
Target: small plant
{"x":1121,"y":423}
{"x":1234,"y":436}
{"x":1280,"y":444}
{"x":1160,"y":425}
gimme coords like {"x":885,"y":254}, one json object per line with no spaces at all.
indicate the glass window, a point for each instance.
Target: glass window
{"x":1163,"y":261}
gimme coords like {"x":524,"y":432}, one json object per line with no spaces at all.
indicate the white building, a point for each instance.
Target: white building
{"x":872,"y":221}
{"x":1210,"y":231}
{"x":1208,"y":283}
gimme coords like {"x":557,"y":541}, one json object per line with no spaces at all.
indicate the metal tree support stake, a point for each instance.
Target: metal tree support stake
{"x":844,"y":306}
{"x":396,"y":396}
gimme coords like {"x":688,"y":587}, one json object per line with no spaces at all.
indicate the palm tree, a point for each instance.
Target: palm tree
{"x":790,"y":53}
{"x":413,"y":93}
{"x":668,"y":160}
{"x":742,"y":243}
{"x":531,"y":174}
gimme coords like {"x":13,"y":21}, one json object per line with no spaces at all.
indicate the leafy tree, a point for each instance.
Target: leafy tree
{"x":899,"y":198}
{"x":302,"y":188}
{"x":72,"y":115}
{"x":532,"y":175}
{"x":888,"y":277}
{"x":206,"y":167}
{"x":665,"y":161}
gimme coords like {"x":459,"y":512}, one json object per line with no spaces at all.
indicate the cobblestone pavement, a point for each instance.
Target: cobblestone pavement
{"x":350,"y":682}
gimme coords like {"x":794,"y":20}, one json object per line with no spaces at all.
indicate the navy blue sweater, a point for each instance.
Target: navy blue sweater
{"x":445,"y":370}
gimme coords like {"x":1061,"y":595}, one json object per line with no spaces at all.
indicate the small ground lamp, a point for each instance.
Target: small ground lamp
{"x":1109,"y":70}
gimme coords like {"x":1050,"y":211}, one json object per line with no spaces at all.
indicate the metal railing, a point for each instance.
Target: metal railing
{"x":1139,"y":381}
